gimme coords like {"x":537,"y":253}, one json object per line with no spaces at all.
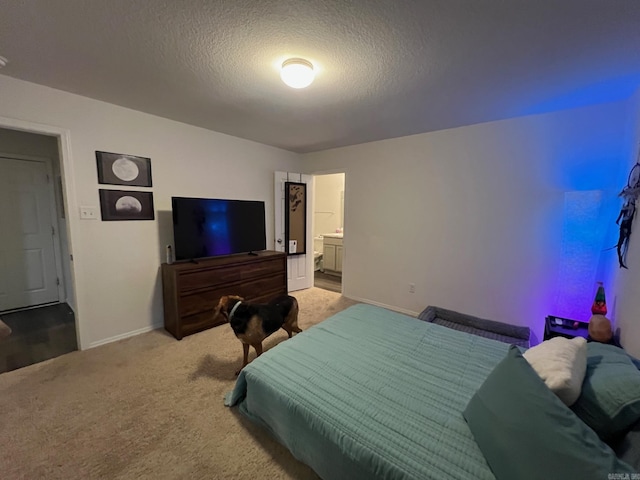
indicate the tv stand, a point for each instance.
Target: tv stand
{"x":192,"y":290}
{"x":252,"y":254}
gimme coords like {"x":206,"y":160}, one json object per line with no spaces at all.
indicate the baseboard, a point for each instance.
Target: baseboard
{"x":125,"y":335}
{"x":383,"y":305}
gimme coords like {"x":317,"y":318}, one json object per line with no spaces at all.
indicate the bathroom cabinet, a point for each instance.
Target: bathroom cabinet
{"x":332,"y":254}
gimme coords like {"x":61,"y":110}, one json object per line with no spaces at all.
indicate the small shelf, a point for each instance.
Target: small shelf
{"x":563,"y":327}
{"x":566,"y":329}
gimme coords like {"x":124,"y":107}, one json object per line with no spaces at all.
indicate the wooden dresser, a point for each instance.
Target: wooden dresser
{"x":191,"y":290}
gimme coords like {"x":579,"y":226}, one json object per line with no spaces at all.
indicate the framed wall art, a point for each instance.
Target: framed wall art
{"x":295,"y":218}
{"x":126,"y":205}
{"x":122,"y":169}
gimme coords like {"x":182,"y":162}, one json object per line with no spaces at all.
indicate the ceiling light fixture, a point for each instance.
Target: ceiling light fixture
{"x":3,"y":62}
{"x":297,"y":72}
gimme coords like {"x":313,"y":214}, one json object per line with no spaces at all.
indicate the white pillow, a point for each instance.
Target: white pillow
{"x":562,"y":364}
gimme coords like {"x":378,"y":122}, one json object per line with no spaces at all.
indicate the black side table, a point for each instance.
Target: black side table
{"x":564,"y":327}
{"x":568,"y":328}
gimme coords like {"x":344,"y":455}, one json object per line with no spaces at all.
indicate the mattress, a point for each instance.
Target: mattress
{"x":371,"y":393}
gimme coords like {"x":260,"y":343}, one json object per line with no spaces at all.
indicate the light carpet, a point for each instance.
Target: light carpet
{"x":147,"y":407}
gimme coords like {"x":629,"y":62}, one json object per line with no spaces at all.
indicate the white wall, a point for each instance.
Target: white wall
{"x":627,"y":301}
{"x":470,"y":215}
{"x":474,"y":215}
{"x":116,"y":264}
{"x":327,"y":214}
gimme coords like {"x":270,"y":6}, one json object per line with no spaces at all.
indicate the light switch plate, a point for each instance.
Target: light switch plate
{"x":89,"y":213}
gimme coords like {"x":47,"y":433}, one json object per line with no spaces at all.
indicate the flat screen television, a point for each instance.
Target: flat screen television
{"x":207,"y":227}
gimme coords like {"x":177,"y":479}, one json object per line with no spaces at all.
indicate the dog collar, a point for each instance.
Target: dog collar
{"x":233,"y":310}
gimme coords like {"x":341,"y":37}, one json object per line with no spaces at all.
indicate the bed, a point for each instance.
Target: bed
{"x":370,"y":393}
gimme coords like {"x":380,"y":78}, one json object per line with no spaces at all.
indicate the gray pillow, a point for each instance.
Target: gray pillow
{"x":610,"y":399}
{"x":522,"y":427}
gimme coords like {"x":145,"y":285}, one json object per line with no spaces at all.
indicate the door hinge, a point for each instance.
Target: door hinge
{"x":57,"y":281}
{"x":53,"y":231}
{"x":48,"y":178}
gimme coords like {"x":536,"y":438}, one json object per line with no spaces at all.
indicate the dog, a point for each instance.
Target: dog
{"x":252,"y":323}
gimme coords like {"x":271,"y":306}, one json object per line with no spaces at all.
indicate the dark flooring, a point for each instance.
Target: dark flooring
{"x":327,"y":282}
{"x":38,"y":334}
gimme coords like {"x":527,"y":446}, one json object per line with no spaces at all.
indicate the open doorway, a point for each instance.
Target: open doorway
{"x":35,"y":276}
{"x":328,"y":231}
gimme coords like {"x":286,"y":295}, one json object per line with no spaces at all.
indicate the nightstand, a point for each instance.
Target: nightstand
{"x":564,"y":327}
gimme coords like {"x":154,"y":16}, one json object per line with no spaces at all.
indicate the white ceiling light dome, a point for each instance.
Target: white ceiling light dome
{"x":297,"y":72}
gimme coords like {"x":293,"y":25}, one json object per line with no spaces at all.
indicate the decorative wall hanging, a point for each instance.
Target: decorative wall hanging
{"x":629,"y":195}
{"x":126,"y":205}
{"x":295,"y":218}
{"x":121,"y":169}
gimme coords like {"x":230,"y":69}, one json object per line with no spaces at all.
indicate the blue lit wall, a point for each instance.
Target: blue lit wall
{"x":588,"y":172}
{"x":608,"y":90}
{"x":584,"y":258}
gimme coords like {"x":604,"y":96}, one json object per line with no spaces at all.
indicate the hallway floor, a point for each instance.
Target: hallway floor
{"x":38,"y":334}
{"x":327,"y":282}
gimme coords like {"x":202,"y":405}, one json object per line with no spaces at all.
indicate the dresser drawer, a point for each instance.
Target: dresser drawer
{"x":228,"y":274}
{"x":200,"y":321}
{"x":202,"y":301}
{"x":209,"y":277}
{"x":261,"y":269}
{"x":207,"y":300}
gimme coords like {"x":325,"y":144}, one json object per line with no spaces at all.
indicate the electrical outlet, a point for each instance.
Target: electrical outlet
{"x":89,"y":213}
{"x":412,"y":288}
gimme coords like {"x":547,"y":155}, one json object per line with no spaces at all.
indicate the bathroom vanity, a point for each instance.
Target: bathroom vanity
{"x":332,"y":252}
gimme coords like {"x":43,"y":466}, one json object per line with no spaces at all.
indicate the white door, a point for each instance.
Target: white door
{"x":28,"y":274}
{"x":299,"y":267}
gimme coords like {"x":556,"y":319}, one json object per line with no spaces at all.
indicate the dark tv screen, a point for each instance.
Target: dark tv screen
{"x":204,"y":227}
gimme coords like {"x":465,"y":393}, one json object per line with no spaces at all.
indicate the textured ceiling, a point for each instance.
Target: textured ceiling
{"x":384,"y":68}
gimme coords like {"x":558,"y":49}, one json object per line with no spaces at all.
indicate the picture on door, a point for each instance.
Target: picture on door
{"x":295,"y":220}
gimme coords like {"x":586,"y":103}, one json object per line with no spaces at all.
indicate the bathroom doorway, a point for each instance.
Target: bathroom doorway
{"x":328,"y":231}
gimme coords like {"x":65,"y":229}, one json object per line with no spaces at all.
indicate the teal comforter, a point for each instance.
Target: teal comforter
{"x":370,"y":393}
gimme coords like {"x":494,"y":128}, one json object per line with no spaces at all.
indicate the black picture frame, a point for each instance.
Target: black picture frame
{"x":123,"y":169}
{"x":126,"y":205}
{"x":295,"y":218}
